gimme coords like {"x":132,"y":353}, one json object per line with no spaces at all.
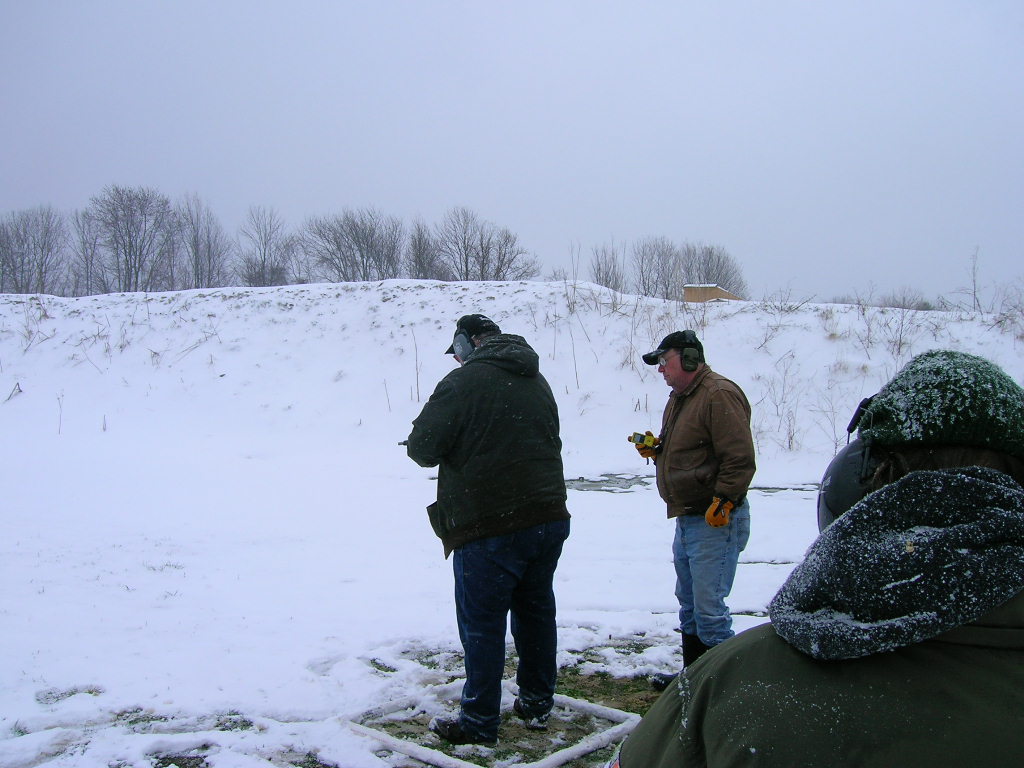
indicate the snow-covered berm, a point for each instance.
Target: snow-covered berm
{"x":207,"y":515}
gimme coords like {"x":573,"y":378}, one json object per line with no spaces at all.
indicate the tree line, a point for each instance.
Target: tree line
{"x":656,"y":266}
{"x":136,"y":239}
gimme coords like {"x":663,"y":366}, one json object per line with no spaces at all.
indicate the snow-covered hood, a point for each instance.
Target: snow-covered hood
{"x":930,"y":552}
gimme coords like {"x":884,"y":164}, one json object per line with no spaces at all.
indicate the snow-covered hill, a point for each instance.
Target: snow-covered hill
{"x":353,"y":362}
{"x":206,"y":512}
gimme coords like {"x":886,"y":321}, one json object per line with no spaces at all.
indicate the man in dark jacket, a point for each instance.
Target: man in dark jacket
{"x":899,"y":640}
{"x":491,"y":426}
{"x":704,"y":463}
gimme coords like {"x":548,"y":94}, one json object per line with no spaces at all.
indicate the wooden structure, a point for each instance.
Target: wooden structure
{"x":707,"y":292}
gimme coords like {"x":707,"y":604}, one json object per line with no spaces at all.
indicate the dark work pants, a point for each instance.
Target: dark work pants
{"x":494,"y":576}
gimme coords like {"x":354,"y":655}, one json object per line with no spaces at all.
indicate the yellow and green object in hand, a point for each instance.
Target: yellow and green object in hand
{"x":646,"y":443}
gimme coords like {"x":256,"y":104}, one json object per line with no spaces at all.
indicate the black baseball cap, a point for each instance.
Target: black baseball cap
{"x":473,"y":325}
{"x":675,"y":340}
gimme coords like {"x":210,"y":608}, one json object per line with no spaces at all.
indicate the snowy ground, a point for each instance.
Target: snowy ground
{"x":212,"y":538}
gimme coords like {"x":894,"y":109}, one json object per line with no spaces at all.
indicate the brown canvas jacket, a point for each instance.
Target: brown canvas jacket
{"x":707,"y":449}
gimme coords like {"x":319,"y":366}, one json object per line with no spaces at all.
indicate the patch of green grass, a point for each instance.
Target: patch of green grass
{"x":429,"y":658}
{"x":233,"y":721}
{"x":137,"y":719}
{"x":630,"y":694}
{"x":309,"y":760}
{"x":518,"y":744}
{"x":180,"y":761}
{"x":55,"y":695}
{"x":583,"y":678}
{"x":301,"y":760}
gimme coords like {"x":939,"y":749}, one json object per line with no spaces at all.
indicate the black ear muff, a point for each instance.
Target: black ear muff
{"x":847,"y":476}
{"x":462,"y":345}
{"x":846,"y":481}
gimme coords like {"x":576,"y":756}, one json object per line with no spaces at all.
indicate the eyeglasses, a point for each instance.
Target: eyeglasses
{"x":663,"y":361}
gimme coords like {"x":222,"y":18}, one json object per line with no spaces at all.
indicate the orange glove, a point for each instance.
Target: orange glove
{"x":718,"y":513}
{"x":646,"y":444}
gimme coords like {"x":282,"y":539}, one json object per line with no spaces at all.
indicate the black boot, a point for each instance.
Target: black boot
{"x":533,"y":722}
{"x":693,"y":649}
{"x":660,"y":680}
{"x":450,"y":729}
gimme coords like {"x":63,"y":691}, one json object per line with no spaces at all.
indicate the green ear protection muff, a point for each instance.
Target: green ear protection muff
{"x":689,"y":358}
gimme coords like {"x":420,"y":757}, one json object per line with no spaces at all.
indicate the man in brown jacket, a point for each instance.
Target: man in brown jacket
{"x":705,"y":462}
{"x":899,"y":640}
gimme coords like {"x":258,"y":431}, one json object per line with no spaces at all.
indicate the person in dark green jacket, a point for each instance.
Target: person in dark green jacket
{"x":491,"y":426}
{"x":899,"y":640}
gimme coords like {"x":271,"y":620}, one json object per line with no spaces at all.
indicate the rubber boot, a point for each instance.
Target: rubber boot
{"x":661,"y":680}
{"x":693,"y":649}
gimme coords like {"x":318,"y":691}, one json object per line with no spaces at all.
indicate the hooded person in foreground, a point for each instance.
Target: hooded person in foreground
{"x":899,"y":640}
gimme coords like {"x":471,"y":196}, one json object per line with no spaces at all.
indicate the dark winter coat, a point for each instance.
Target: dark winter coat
{"x":706,"y":446}
{"x":918,"y":590}
{"x":491,"y":426}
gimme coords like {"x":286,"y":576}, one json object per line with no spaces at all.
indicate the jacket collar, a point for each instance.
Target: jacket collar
{"x":701,"y":375}
{"x":1002,"y":627}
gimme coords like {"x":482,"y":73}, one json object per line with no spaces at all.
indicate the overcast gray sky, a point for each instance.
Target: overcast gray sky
{"x":827,"y":146}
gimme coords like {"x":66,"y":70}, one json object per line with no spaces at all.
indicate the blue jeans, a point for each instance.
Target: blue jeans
{"x":705,"y":559}
{"x":492,"y":577}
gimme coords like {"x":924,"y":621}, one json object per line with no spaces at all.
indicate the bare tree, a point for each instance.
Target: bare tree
{"x":205,"y":246}
{"x":608,"y":267}
{"x":657,"y":269}
{"x":86,"y":270}
{"x":456,"y":238}
{"x":906,"y":297}
{"x":379,"y":241}
{"x":137,"y":228}
{"x":322,"y":250}
{"x":712,"y":265}
{"x":422,"y":257}
{"x":975,"y":301}
{"x":9,"y":254}
{"x":474,"y":249}
{"x":266,"y":249}
{"x":973,"y":290}
{"x":33,"y":251}
{"x":505,"y":258}
{"x":357,"y":245}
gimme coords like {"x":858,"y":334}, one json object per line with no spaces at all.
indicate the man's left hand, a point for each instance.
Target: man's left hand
{"x":718,"y":513}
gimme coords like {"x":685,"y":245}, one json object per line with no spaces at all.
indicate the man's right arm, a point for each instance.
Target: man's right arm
{"x":434,"y":431}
